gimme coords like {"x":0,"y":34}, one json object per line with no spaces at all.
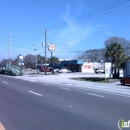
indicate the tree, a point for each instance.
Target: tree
{"x":29,"y":61}
{"x":40,"y":59}
{"x":122,"y":41}
{"x":53,"y":60}
{"x":4,"y":62}
{"x":93,"y":55}
{"x":15,"y":61}
{"x":116,"y":54}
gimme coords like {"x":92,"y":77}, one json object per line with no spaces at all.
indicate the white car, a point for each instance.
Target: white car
{"x":100,"y":70}
{"x":56,"y":70}
{"x":64,"y":71}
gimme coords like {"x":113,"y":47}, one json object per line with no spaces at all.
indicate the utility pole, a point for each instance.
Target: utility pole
{"x":45,"y":51}
{"x":10,"y":48}
{"x":35,"y":59}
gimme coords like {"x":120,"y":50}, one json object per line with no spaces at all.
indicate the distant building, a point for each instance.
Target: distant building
{"x":73,"y":65}
{"x":88,"y":67}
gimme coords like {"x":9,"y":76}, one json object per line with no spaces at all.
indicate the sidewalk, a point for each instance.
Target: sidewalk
{"x":64,"y":79}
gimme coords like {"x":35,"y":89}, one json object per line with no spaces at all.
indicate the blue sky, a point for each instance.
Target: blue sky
{"x":72,"y":25}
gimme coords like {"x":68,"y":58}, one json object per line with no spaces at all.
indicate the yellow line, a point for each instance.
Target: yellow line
{"x":1,"y":126}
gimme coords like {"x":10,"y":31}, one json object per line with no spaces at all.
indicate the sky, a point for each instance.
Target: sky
{"x":74,"y":26}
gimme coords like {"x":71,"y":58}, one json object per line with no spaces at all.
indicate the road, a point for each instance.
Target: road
{"x":26,"y":105}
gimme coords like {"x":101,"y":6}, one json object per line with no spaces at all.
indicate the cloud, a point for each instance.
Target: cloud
{"x":74,"y":33}
{"x":65,"y":16}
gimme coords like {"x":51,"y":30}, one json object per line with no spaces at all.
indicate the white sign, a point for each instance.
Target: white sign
{"x":20,"y":57}
{"x":51,"y":47}
{"x":108,"y":67}
{"x":87,"y":68}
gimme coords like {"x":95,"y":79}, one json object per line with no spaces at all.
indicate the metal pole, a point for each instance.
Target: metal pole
{"x":51,"y":62}
{"x":35,"y":59}
{"x":10,"y":49}
{"x":45,"y":51}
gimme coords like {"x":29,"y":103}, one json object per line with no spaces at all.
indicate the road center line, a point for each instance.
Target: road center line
{"x":5,"y":82}
{"x":65,"y":88}
{"x":34,"y":93}
{"x":95,"y":95}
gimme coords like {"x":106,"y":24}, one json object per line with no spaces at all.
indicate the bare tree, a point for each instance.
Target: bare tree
{"x":93,"y":55}
{"x":4,"y":62}
{"x":29,"y":61}
{"x":119,"y":40}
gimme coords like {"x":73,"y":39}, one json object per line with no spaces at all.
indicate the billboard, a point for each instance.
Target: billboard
{"x":51,"y":47}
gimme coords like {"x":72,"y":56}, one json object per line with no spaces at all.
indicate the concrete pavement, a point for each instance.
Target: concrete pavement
{"x":64,"y":79}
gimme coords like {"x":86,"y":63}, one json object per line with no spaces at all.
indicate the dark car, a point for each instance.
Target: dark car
{"x":2,"y":71}
{"x":125,"y":80}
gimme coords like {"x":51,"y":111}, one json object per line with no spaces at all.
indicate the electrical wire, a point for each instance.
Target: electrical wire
{"x":90,"y":13}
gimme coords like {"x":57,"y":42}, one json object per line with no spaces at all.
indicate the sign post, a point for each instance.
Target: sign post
{"x":51,"y":48}
{"x":108,"y":68}
{"x":20,"y":61}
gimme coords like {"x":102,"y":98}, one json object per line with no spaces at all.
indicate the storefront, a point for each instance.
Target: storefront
{"x":73,"y":65}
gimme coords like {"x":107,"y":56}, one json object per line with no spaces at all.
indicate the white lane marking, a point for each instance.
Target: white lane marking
{"x":101,"y":91}
{"x":95,"y":95}
{"x":34,"y":93}
{"x":65,"y":88}
{"x":5,"y":82}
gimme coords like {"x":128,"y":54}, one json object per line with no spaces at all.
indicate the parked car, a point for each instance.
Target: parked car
{"x":56,"y":70}
{"x":2,"y":71}
{"x":13,"y":73}
{"x":64,"y":71}
{"x":99,"y":70}
{"x":48,"y":69}
{"x":125,"y":80}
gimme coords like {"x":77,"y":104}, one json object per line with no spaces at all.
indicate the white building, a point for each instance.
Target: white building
{"x":88,"y":67}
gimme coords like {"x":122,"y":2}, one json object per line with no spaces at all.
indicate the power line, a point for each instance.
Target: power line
{"x":81,"y":20}
{"x":95,"y":11}
{"x":103,"y":8}
{"x":99,"y":32}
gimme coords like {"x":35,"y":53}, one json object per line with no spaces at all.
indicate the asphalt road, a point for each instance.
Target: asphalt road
{"x":26,"y":105}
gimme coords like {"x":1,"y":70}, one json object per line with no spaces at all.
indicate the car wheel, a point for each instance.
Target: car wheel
{"x":122,"y":83}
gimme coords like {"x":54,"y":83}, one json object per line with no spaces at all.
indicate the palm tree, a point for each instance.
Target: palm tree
{"x":53,"y":60}
{"x":116,"y":54}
